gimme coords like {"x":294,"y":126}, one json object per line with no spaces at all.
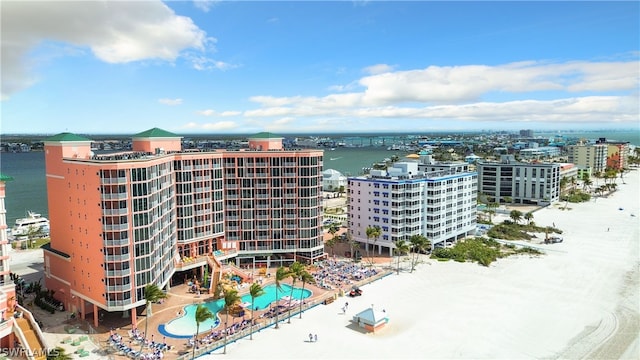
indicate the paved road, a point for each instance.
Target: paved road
{"x":29,"y":264}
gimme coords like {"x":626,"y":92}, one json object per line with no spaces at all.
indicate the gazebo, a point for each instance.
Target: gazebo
{"x":371,"y":319}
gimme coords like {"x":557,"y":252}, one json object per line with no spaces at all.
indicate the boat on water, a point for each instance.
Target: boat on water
{"x":33,"y":223}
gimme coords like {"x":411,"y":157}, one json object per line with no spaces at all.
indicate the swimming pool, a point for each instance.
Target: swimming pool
{"x":185,"y":326}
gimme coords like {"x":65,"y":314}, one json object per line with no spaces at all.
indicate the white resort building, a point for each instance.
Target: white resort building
{"x":332,"y":180}
{"x":403,"y":201}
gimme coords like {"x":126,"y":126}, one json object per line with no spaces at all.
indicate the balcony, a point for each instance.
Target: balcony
{"x":112,"y":212}
{"x":120,"y":242}
{"x":110,"y":181}
{"x":117,"y":196}
{"x":119,"y":288}
{"x":117,"y":258}
{"x":115,"y":227}
{"x":118,"y":273}
{"x":119,"y":302}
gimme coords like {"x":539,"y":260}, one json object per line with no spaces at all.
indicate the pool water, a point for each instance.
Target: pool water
{"x":185,"y":325}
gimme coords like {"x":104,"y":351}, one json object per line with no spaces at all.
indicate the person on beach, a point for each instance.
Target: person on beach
{"x":315,"y":337}
{"x":310,"y":337}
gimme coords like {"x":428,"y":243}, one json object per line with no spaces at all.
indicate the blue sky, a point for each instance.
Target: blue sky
{"x":223,"y":67}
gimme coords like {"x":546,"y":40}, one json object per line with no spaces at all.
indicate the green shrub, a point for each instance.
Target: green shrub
{"x":481,"y":250}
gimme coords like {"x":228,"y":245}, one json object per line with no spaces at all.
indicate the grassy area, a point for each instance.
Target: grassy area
{"x":481,"y":250}
{"x":30,"y":244}
{"x":509,"y":230}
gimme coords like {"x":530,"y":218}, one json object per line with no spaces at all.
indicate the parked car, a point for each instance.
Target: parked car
{"x":356,"y":291}
{"x":553,"y":240}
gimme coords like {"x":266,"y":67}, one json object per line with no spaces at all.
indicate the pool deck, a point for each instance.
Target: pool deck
{"x":179,"y":297}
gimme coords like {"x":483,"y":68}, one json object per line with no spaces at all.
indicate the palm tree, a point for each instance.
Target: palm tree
{"x":281,"y":274}
{"x":597,"y":175}
{"x":573,"y":181}
{"x":331,"y":243}
{"x":295,"y":271}
{"x":586,"y":183}
{"x":528,"y":216}
{"x":418,"y":243}
{"x":373,"y":232}
{"x":306,"y":278}
{"x":401,"y":248}
{"x":333,"y":230}
{"x":563,"y":185}
{"x":231,"y":298}
{"x":515,"y":215}
{"x":202,"y":314}
{"x":255,"y":290}
{"x":622,"y":171}
{"x":59,"y":353}
{"x":353,"y":245}
{"x":152,"y":294}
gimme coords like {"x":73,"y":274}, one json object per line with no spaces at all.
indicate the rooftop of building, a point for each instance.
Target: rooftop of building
{"x":67,"y":136}
{"x":155,"y":133}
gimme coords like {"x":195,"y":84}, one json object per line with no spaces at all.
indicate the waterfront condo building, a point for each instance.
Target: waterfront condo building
{"x":120,"y":221}
{"x":518,"y":182}
{"x":403,"y":201}
{"x":589,"y":158}
{"x":617,"y":154}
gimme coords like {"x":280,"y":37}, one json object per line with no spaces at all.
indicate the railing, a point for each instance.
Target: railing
{"x":254,"y":328}
{"x":119,"y":302}
{"x":116,"y":227}
{"x":122,"y":257}
{"x":118,"y":180}
{"x":119,"y":288}
{"x":27,"y":314}
{"x":118,"y":273}
{"x":116,"y":242}
{"x":116,"y":196}
{"x":114,"y":212}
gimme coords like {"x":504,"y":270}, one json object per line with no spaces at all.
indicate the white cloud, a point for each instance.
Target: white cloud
{"x":457,"y":84}
{"x":219,"y":125}
{"x":170,"y":102}
{"x":208,"y":112}
{"x":211,"y":112}
{"x":230,"y":113}
{"x":378,"y":69}
{"x":205,"y":5}
{"x":583,"y":92}
{"x":200,"y":62}
{"x":115,"y":31}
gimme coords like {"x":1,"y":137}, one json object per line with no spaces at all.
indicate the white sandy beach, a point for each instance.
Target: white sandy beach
{"x":580,"y":300}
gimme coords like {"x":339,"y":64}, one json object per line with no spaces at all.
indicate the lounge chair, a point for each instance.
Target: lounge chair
{"x":66,"y":340}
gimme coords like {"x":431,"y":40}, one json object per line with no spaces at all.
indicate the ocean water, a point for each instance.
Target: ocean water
{"x":28,"y":190}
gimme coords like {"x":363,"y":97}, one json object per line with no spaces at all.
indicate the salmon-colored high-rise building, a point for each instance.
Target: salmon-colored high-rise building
{"x":123,"y":220}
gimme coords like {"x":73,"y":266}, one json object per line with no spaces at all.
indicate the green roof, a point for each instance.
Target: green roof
{"x":67,"y":136}
{"x":265,"y":135}
{"x":155,"y":133}
{"x":5,"y":178}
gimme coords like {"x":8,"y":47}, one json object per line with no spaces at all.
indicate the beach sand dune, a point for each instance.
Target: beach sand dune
{"x":579,"y":300}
